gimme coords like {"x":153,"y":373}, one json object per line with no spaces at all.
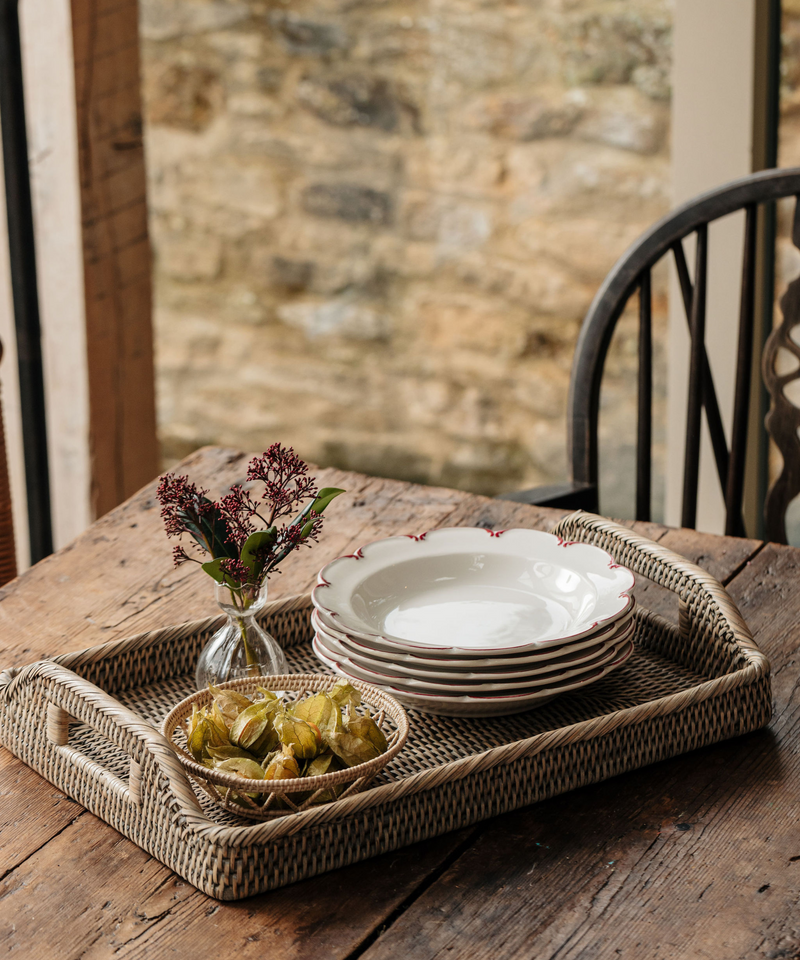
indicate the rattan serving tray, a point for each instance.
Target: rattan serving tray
{"x":86,"y":721}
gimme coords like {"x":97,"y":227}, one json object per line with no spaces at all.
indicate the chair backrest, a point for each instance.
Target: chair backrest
{"x":632,"y":273}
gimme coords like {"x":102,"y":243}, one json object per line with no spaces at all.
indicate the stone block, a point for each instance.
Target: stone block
{"x":348,"y":201}
{"x":171,"y":19}
{"x":421,"y":214}
{"x":355,"y":271}
{"x":588,"y":246}
{"x":353,"y":99}
{"x":545,"y":114}
{"x":269,"y":79}
{"x":185,"y":257}
{"x":253,"y":103}
{"x":538,"y":392}
{"x":426,"y":400}
{"x":570,"y":179}
{"x":607,"y":45}
{"x":243,"y":307}
{"x":542,"y":285}
{"x":415,"y":260}
{"x":309,"y":37}
{"x":622,"y":117}
{"x":236,"y":47}
{"x":462,"y":227}
{"x":471,"y":48}
{"x":343,"y":316}
{"x":182,"y":96}
{"x":228,"y":184}
{"x":291,"y":276}
{"x":652,"y":81}
{"x":467,"y":166}
{"x":458,"y":322}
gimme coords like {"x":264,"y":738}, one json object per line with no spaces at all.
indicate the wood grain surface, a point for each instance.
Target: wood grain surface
{"x":694,"y":857}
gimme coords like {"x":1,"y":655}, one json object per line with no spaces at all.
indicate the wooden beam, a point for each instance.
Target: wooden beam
{"x":116,"y":250}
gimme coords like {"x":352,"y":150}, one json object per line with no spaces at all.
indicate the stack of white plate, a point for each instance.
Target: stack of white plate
{"x":469,"y":622}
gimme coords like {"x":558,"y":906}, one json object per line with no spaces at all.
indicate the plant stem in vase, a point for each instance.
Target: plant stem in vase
{"x":241,"y":647}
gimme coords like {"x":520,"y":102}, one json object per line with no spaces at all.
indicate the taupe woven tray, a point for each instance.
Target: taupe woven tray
{"x":686,"y":686}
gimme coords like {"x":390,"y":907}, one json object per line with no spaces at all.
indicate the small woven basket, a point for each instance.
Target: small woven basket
{"x":286,"y":797}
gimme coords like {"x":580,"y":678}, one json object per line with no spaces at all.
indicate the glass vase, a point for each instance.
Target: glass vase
{"x":240,"y":648}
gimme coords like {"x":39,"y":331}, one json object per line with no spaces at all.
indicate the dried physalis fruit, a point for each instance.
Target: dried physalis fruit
{"x":253,"y":726}
{"x":230,"y":703}
{"x":189,"y":728}
{"x":219,"y":728}
{"x":268,"y":740}
{"x":305,"y":738}
{"x":229,"y":751}
{"x":201,"y":732}
{"x":283,"y":766}
{"x":267,"y":694}
{"x":196,"y":740}
{"x":345,"y":694}
{"x":267,"y":760}
{"x":367,"y":729}
{"x":320,"y":710}
{"x":242,"y":767}
{"x":326,"y":762}
{"x":351,"y":749}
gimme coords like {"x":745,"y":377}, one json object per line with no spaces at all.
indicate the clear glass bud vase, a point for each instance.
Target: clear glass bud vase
{"x":240,"y":648}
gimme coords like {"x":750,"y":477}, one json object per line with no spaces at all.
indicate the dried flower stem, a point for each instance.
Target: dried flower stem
{"x":240,"y":554}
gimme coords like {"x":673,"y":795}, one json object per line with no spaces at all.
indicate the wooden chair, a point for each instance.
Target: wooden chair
{"x":632,"y":273}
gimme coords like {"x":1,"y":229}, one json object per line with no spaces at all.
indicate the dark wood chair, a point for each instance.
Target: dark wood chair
{"x":632,"y":273}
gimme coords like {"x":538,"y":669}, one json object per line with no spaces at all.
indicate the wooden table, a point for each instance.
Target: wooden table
{"x":694,"y":857}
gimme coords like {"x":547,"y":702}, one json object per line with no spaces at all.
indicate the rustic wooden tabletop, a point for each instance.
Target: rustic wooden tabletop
{"x":694,"y":857}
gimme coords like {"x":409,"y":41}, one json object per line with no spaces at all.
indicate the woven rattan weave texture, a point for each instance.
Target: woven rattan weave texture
{"x":86,"y":722}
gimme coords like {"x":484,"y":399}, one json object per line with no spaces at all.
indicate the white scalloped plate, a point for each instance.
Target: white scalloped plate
{"x":413,"y":656}
{"x":450,"y":685}
{"x":490,"y":592}
{"x":487,"y":704}
{"x":453,"y":670}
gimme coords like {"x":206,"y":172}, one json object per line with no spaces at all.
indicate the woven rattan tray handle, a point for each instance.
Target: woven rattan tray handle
{"x":691,"y":583}
{"x":71,"y":697}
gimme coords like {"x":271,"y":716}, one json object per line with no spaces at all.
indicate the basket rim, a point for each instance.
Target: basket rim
{"x":378,"y":698}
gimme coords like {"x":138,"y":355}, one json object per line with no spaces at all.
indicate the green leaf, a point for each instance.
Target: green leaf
{"x":324,"y":497}
{"x":255,"y":542}
{"x":211,"y":533}
{"x":217,"y":532}
{"x":307,"y":529}
{"x":318,"y":504}
{"x":194,"y":530}
{"x":214,"y":569}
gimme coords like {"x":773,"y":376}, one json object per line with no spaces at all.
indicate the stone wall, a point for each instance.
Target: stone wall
{"x":377,"y":226}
